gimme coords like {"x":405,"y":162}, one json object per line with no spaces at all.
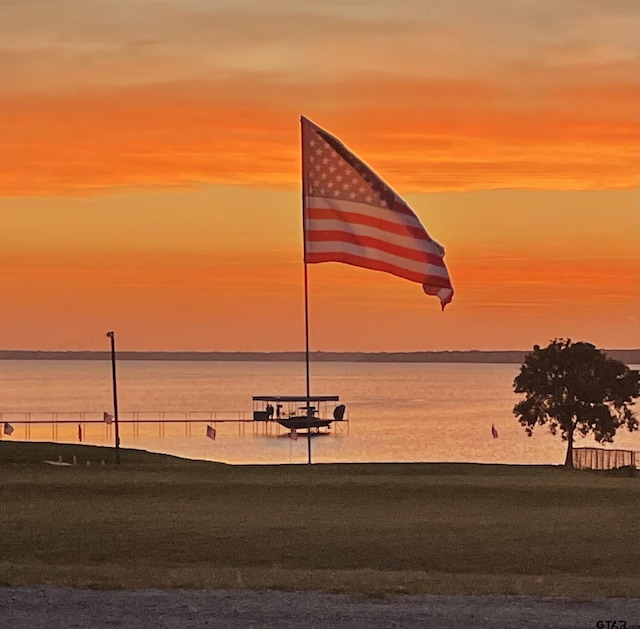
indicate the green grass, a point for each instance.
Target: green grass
{"x":159,"y":521}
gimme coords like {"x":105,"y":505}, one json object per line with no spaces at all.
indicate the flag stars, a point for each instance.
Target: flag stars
{"x":337,"y":176}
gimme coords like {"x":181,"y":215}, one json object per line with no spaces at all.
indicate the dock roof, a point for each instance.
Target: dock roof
{"x":296,"y":398}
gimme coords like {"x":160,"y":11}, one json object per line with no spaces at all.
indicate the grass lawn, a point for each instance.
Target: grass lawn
{"x":160,"y":521}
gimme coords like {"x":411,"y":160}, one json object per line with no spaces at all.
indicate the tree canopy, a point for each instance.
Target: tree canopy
{"x":576,"y":387}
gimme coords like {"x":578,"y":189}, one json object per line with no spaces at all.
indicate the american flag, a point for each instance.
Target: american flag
{"x":211,"y":432}
{"x":352,"y":216}
{"x":107,"y":417}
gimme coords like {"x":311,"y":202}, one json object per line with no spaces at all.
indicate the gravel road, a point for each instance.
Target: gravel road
{"x":66,"y":608}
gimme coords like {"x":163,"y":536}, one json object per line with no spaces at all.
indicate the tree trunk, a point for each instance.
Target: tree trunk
{"x":568,"y":461}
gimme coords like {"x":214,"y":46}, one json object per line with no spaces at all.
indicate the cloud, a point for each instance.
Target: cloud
{"x":112,"y":42}
{"x":103,"y":95}
{"x":421,"y":135}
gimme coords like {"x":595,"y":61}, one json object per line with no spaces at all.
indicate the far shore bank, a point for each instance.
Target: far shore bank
{"x":628,"y":356}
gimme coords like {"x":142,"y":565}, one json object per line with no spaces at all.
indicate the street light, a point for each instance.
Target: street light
{"x":115,"y":393}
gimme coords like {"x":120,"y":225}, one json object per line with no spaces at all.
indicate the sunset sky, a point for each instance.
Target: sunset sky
{"x":150,"y":170}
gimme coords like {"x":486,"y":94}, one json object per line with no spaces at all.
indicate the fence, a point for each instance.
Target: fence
{"x":601,"y":459}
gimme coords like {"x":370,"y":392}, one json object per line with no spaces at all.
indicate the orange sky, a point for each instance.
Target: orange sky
{"x":150,"y":171}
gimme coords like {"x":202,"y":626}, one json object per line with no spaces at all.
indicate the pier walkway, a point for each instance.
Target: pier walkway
{"x":26,"y":423}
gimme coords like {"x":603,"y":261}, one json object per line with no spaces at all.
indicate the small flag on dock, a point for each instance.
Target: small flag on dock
{"x":494,"y":431}
{"x":211,"y":432}
{"x":107,"y":417}
{"x":293,"y":435}
{"x":8,"y":428}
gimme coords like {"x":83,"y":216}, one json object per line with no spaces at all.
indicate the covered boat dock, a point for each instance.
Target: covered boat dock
{"x":298,"y":412}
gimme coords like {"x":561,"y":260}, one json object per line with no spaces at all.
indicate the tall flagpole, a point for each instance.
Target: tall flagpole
{"x":306,"y":356}
{"x":306,"y":298}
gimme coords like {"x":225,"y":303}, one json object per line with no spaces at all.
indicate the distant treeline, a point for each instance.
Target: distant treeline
{"x":628,"y":356}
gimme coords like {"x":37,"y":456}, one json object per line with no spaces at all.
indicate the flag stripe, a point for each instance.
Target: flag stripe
{"x":363,"y":240}
{"x":445,"y":295}
{"x":335,"y":212}
{"x":367,"y":214}
{"x":417,"y":271}
{"x":377,"y":263}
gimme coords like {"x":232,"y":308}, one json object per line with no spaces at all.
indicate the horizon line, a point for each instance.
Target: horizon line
{"x":296,"y":351}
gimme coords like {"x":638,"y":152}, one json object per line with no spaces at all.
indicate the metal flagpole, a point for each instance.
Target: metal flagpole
{"x":306,"y":296}
{"x":306,"y":356}
{"x":115,"y":394}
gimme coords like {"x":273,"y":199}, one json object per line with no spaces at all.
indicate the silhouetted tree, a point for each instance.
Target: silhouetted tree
{"x":575,"y":386}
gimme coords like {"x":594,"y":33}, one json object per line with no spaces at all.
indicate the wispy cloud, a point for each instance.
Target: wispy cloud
{"x":422,"y":135}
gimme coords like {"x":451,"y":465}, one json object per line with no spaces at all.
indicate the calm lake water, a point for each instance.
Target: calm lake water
{"x":397,"y":411}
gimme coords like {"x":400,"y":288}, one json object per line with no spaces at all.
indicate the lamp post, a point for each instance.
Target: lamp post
{"x":115,"y":394}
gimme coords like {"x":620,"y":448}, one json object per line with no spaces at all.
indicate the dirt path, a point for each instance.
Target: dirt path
{"x":65,"y":608}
